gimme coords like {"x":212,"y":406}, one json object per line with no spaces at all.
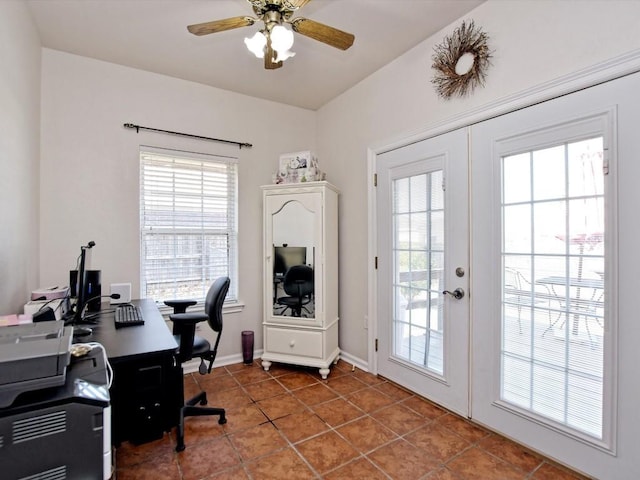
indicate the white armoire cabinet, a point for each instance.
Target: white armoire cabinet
{"x":301,"y":275}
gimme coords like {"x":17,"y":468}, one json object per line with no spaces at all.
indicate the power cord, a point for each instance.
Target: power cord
{"x":94,"y":318}
{"x":82,"y":349}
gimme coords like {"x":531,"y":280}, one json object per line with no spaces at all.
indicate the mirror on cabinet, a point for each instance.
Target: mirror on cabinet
{"x":293,"y":261}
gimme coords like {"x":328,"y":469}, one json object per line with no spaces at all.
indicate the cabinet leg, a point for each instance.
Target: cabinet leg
{"x":266,"y":364}
{"x":324,"y":372}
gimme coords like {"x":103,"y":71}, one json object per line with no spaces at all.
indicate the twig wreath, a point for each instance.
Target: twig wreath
{"x":461,"y":61}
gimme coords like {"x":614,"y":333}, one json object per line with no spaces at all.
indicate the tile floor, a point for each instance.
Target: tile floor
{"x":288,"y":423}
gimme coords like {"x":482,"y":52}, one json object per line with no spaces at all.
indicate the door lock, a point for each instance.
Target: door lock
{"x":458,"y":293}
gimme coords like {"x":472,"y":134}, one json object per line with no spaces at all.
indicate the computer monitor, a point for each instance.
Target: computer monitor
{"x":82,"y":279}
{"x":286,"y":257}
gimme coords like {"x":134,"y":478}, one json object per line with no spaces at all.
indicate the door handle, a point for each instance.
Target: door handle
{"x":458,"y":293}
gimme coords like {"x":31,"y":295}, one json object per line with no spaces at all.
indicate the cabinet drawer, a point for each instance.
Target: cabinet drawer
{"x":294,"y":342}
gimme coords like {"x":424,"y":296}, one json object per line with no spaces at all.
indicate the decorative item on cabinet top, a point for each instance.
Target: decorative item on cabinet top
{"x":298,"y":167}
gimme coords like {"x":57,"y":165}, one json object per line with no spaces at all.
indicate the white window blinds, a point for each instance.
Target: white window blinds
{"x":553,"y":270}
{"x":188,"y":223}
{"x":418,"y":249}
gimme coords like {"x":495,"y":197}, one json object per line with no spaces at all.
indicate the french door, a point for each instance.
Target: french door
{"x":422,"y":240}
{"x":556,"y":275}
{"x":546,"y":352}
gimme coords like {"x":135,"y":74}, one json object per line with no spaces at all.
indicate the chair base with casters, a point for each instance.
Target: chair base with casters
{"x":193,"y":346}
{"x":295,"y":304}
{"x":191,"y":410}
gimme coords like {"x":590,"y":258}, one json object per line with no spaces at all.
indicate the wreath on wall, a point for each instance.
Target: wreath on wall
{"x":461,"y":61}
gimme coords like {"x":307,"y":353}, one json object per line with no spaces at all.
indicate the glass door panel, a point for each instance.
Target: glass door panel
{"x":553,"y":294}
{"x":418,"y":252}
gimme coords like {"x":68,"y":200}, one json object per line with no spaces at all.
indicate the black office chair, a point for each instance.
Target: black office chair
{"x":298,"y":285}
{"x":191,"y":345}
{"x":279,"y":269}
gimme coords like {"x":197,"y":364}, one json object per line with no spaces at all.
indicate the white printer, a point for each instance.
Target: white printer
{"x":56,"y":298}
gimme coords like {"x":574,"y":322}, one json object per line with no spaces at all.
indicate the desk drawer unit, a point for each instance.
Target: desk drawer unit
{"x":294,"y":342}
{"x":147,"y":395}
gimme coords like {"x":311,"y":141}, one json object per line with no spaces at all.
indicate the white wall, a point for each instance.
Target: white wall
{"x":533,"y":41}
{"x":19,"y":151}
{"x":90,"y":166}
{"x":89,"y":163}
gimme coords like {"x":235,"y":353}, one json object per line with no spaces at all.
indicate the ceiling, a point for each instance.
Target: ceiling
{"x":152,"y":35}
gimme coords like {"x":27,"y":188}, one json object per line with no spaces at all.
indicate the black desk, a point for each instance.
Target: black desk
{"x":146,"y":394}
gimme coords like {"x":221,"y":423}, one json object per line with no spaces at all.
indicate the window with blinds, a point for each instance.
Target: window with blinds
{"x":188,"y":223}
{"x":553,"y":290}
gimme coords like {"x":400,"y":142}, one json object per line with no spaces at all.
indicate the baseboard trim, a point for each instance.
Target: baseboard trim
{"x":357,"y":362}
{"x":192,"y":365}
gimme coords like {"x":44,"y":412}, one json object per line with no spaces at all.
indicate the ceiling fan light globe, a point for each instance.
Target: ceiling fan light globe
{"x":256,"y":44}
{"x":281,"y":38}
{"x":282,"y":56}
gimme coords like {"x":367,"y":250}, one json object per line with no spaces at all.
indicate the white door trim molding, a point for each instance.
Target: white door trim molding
{"x":613,"y":68}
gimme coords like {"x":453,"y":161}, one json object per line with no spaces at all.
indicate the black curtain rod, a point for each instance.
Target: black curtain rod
{"x":139,"y":127}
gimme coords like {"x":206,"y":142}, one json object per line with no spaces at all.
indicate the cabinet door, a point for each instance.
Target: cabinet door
{"x":294,"y":258}
{"x":146,"y":397}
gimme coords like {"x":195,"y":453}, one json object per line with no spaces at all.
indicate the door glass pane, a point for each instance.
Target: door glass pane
{"x":418,"y":247}
{"x":553,"y":295}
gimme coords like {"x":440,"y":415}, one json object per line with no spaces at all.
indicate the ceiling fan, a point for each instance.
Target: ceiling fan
{"x":274,"y":41}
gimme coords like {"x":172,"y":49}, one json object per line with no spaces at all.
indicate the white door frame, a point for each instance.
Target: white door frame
{"x":601,"y":72}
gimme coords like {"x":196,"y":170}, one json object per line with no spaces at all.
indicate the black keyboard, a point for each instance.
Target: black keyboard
{"x":128,"y":316}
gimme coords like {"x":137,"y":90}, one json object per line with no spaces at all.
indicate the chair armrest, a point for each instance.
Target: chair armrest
{"x":180,"y":306}
{"x":188,"y":318}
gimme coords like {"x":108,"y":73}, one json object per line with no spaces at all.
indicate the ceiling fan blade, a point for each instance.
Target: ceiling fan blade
{"x":220,"y":25}
{"x":323,"y":33}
